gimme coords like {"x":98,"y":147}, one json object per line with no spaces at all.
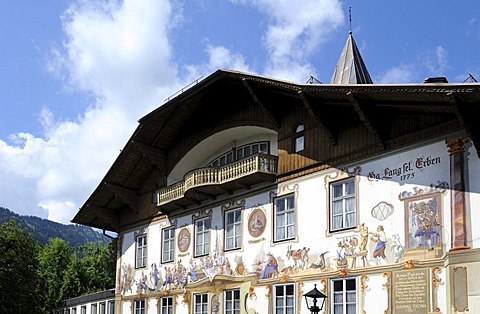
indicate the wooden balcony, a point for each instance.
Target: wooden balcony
{"x":208,"y":183}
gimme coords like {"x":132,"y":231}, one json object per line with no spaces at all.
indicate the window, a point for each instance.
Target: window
{"x":232,"y":301}
{"x":285,"y":217}
{"x":111,"y":307}
{"x":284,"y":299}
{"x":240,"y":152}
{"x":93,"y":309}
{"x":168,"y":237}
{"x":299,"y":138}
{"x":83,"y":309}
{"x":344,"y":296}
{"x":139,"y":306}
{"x":102,"y":308}
{"x":233,"y":229}
{"x":74,"y":311}
{"x":342,"y":205}
{"x":141,"y":260}
{"x":200,"y":303}
{"x":166,"y":305}
{"x":202,"y":236}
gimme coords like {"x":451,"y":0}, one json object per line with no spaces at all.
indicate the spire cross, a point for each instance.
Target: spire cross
{"x":350,"y":17}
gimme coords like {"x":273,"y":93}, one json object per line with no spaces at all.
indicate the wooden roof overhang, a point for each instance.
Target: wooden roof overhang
{"x":331,"y":106}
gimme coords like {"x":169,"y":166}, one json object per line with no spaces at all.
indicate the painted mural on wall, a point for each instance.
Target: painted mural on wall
{"x":423,"y":213}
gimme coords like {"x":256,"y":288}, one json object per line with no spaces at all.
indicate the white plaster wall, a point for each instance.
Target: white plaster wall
{"x":375,"y":295}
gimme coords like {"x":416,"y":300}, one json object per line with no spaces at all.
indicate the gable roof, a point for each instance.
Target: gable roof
{"x":148,"y":147}
{"x":350,"y":67}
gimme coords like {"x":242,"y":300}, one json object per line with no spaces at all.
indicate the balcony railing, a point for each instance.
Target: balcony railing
{"x":259,"y":163}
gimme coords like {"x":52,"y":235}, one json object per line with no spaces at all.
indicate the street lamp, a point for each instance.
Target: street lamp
{"x":315,"y":294}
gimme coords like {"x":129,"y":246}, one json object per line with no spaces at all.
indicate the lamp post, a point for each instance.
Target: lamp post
{"x":314,"y":294}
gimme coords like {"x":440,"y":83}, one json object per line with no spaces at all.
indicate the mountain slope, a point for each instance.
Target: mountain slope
{"x":44,"y":229}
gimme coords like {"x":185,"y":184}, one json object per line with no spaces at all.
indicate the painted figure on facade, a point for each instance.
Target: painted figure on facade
{"x":363,"y":238}
{"x":299,"y":257}
{"x":127,"y":278}
{"x":380,"y":238}
{"x":154,"y":276}
{"x":424,"y":217}
{"x":271,"y":268}
{"x":142,"y":285}
{"x":321,"y":262}
{"x":397,"y":248}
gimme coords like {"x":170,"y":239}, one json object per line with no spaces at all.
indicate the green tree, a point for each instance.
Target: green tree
{"x":54,"y":261}
{"x":98,"y":266}
{"x":19,"y":283}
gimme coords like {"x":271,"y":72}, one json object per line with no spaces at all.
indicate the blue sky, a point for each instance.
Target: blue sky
{"x":77,"y":75}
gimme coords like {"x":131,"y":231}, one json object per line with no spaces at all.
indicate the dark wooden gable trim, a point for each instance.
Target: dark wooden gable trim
{"x":128,"y":196}
{"x":260,"y":104}
{"x":156,"y":156}
{"x":367,"y":118}
{"x":316,"y":115}
{"x":107,"y":216}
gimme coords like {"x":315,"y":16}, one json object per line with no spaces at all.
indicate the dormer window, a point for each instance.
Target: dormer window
{"x":299,"y":138}
{"x":240,"y":152}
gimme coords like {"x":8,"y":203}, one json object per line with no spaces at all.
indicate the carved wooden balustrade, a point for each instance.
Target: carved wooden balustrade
{"x":260,"y":163}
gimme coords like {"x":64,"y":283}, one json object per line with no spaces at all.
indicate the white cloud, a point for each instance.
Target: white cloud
{"x":404,"y":73}
{"x":120,"y":53}
{"x":295,"y":29}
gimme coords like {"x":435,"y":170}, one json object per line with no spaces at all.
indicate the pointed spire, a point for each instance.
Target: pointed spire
{"x":350,"y":68}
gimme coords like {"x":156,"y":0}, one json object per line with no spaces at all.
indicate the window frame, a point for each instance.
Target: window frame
{"x":102,"y":308}
{"x":171,"y":243}
{"x":299,"y":134}
{"x":166,"y":308}
{"x":203,"y":302}
{"x":345,"y":196}
{"x":344,"y":303}
{"x":206,"y":237}
{"x":238,"y":153}
{"x":141,"y":260}
{"x":284,"y":213}
{"x":94,"y":308}
{"x":285,"y":297}
{"x":235,"y":302}
{"x":236,"y":227}
{"x":111,"y":307}
{"x":139,"y":306}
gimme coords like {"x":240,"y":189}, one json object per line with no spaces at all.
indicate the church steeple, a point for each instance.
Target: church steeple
{"x":350,"y":68}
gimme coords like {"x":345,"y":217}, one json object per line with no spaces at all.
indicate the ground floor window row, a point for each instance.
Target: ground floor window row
{"x":284,"y":300}
{"x":104,"y":307}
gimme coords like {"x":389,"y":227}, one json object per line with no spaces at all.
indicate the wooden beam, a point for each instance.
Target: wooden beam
{"x":156,"y":156}
{"x":108,"y":216}
{"x":367,"y":119}
{"x":467,"y":119}
{"x":260,"y":104}
{"x":317,"y":117}
{"x":128,"y":196}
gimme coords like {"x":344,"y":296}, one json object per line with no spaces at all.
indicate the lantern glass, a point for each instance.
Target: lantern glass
{"x":312,"y":298}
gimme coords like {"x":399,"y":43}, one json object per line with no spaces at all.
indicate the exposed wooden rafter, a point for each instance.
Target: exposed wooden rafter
{"x":259,"y":103}
{"x":467,"y":119}
{"x":317,"y":117}
{"x":108,"y":216}
{"x":128,"y":196}
{"x":156,"y":156}
{"x":367,"y":119}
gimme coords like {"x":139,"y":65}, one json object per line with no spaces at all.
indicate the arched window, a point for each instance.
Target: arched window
{"x":299,"y":139}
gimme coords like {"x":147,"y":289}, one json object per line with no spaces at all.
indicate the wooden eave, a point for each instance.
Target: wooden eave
{"x":147,"y":149}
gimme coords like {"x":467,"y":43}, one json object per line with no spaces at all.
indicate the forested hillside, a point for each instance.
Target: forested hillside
{"x":44,"y":229}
